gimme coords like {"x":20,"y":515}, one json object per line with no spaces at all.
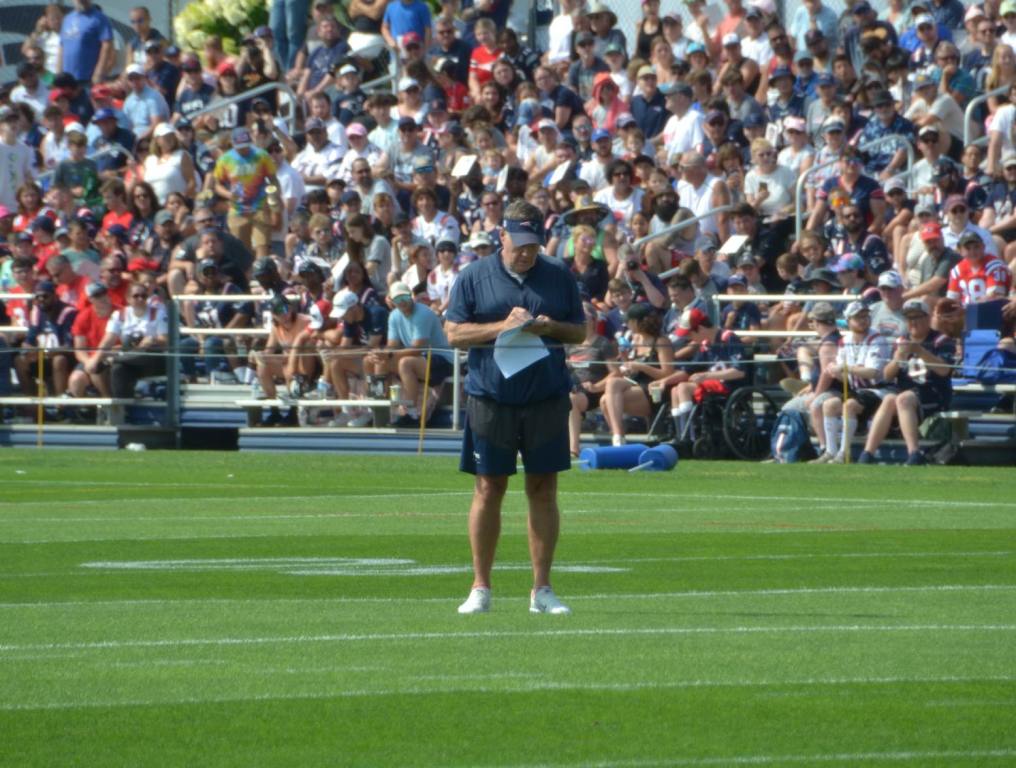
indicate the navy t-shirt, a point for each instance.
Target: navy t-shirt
{"x":486,"y":293}
{"x":374,"y":323}
{"x":934,"y":389}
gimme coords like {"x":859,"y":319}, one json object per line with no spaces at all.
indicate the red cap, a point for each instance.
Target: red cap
{"x":224,"y":67}
{"x":931,"y":231}
{"x":58,"y":93}
{"x":141,"y":264}
{"x":411,"y":37}
{"x":102,"y":92}
{"x":690,"y":320}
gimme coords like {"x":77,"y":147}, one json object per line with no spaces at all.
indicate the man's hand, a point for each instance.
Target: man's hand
{"x":94,"y":364}
{"x":833,"y":369}
{"x":1009,"y":310}
{"x":518,"y":316}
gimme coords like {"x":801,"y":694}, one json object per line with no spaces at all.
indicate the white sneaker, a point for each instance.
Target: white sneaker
{"x":363,"y":419}
{"x":837,"y":459}
{"x":341,"y":420}
{"x":617,"y":440}
{"x":544,"y":600}
{"x":825,"y":458}
{"x":477,"y":602}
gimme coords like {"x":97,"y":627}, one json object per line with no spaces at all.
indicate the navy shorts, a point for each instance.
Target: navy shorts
{"x":440,"y":369}
{"x":495,"y":434}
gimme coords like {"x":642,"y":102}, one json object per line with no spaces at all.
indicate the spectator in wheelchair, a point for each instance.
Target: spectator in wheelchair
{"x":588,"y":364}
{"x":649,"y":358}
{"x":862,"y":357}
{"x":719,"y":354}
{"x":921,"y":368}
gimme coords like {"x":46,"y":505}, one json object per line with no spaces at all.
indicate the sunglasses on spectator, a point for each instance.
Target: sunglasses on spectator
{"x":620,"y":175}
{"x":139,"y":295}
{"x":767,"y":153}
{"x":207,"y":221}
{"x":958,"y":209}
{"x":929,"y":138}
{"x":137,"y":20}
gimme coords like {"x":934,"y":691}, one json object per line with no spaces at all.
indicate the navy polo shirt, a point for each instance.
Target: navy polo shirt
{"x":485,"y":293}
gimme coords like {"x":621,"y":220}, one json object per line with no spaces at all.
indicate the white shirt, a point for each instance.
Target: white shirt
{"x":444,"y":226}
{"x":780,"y":184}
{"x":594,"y":173}
{"x":151,"y":323}
{"x":54,"y":151}
{"x":38,"y":99}
{"x":372,"y":153}
{"x":559,"y":37}
{"x":324,"y":162}
{"x":623,"y":210}
{"x":16,"y":163}
{"x":870,"y":352}
{"x":759,"y":50}
{"x":952,"y":239}
{"x":337,"y":134}
{"x":291,"y":187}
{"x":682,"y":134}
{"x":1002,"y":123}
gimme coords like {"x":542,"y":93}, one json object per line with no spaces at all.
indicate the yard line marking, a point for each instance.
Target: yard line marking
{"x":526,"y":684}
{"x":766,"y":592}
{"x":677,"y":495}
{"x":496,"y":635}
{"x":856,"y":757}
{"x":801,"y":556}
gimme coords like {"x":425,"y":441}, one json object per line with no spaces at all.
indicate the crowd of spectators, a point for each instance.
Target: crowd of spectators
{"x":133,"y":176}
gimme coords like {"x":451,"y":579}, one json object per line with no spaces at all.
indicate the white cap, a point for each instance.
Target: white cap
{"x":924,"y":18}
{"x":406,"y":83}
{"x":480,"y":239}
{"x":74,"y":127}
{"x":731,"y":38}
{"x":349,"y":69}
{"x":546,"y":123}
{"x":890,"y":279}
{"x":164,"y":129}
{"x":135,"y":69}
{"x":344,"y":301}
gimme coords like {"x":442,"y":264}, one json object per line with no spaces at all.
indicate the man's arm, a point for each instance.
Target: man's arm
{"x":568,"y":333}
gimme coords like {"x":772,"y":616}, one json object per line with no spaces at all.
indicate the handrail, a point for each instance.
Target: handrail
{"x":892,"y":137}
{"x":681,"y":225}
{"x":373,"y":85}
{"x":798,"y":298}
{"x":109,"y":149}
{"x":265,"y":88}
{"x":968,"y":113}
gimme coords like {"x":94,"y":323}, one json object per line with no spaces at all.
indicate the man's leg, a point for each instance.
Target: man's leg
{"x":411,"y":373}
{"x":908,"y":410}
{"x":485,"y":524}
{"x":544,"y":524}
{"x":62,"y":366}
{"x":880,"y":424}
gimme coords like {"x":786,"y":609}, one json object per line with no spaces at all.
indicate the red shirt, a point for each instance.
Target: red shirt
{"x":481,"y":63}
{"x":17,"y":309}
{"x":43,"y":253}
{"x":457,"y":96}
{"x":124,"y":219}
{"x":73,"y":293}
{"x":118,"y":294}
{"x":989,"y":280}
{"x":90,"y":325}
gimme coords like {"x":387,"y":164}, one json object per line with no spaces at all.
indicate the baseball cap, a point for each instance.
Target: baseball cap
{"x":344,"y":301}
{"x":803,"y":55}
{"x":928,"y":130}
{"x":546,"y":123}
{"x":974,"y":12}
{"x":190,"y":63}
{"x":45,"y":223}
{"x":446,"y":245}
{"x":206,"y":264}
{"x":263,"y":31}
{"x":646,"y":70}
{"x":862,"y":7}
{"x":753,"y":13}
{"x":825,"y":79}
{"x":164,"y":129}
{"x":423,"y":163}
{"x":480,"y":240}
{"x":408,"y":82}
{"x":780,"y":72}
{"x":924,"y":207}
{"x":349,"y":197}
{"x":890,"y":279}
{"x":893,"y":184}
{"x":598,"y":134}
{"x":696,"y":48}
{"x":814,"y":37}
{"x":931,"y":231}
{"x":746,"y":260}
{"x":731,"y":38}
{"x":315,"y":124}
{"x":135,"y":70}
{"x":952,"y":201}
{"x":356,"y":129}
{"x":104,"y":114}
{"x":881,"y":98}
{"x":241,"y":138}
{"x":279,"y":305}
{"x":823,"y":312}
{"x":44,"y":286}
{"x":691,"y":320}
{"x":855,"y":308}
{"x":399,"y":290}
{"x":833,"y":124}
{"x":740,"y":280}
{"x":153,"y":45}
{"x":969,"y":237}
{"x":411,"y":38}
{"x":615,"y":47}
{"x":625,"y":119}
{"x":923,"y":79}
{"x":407,"y":122}
{"x":848,"y":262}
{"x":95,"y":289}
{"x":226,"y":67}
{"x":913,"y":307}
{"x":584,"y":37}
{"x":163,"y":217}
{"x":265,"y":266}
{"x":924,"y":18}
{"x":524,"y":231}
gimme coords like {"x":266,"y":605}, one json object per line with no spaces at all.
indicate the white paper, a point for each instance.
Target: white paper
{"x":463,"y":166}
{"x":733,"y":245}
{"x":516,"y":350}
{"x":558,"y":174}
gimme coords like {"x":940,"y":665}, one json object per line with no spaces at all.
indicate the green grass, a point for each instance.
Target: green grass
{"x":183,"y":609}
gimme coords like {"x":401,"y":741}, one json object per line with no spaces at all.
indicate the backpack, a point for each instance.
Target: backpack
{"x":790,"y":441}
{"x":997,"y":366}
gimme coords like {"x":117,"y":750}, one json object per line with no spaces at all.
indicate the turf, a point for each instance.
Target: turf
{"x":181,"y":609}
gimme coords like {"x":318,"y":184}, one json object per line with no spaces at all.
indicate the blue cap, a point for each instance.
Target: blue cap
{"x":349,"y":196}
{"x":825,"y":79}
{"x":119,"y":231}
{"x":862,"y":7}
{"x":780,"y":72}
{"x":667,"y":88}
{"x":44,"y":286}
{"x":598,"y":134}
{"x":241,"y":138}
{"x":44,"y":222}
{"x":104,"y":114}
{"x":755,"y":120}
{"x":524,"y":232}
{"x":737,"y":280}
{"x":803,"y":55}
{"x":695,"y":48}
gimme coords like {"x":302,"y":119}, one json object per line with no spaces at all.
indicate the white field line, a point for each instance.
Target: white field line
{"x":735,"y":593}
{"x":408,"y":494}
{"x":675,"y":495}
{"x":854,"y":757}
{"x":499,"y":635}
{"x":526,"y":684}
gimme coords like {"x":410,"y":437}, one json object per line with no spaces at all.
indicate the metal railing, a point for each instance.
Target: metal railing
{"x":891,"y":138}
{"x":678,"y":227}
{"x":968,"y":113}
{"x":218,"y":104}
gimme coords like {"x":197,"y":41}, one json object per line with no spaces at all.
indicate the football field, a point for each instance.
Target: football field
{"x":216,"y":609}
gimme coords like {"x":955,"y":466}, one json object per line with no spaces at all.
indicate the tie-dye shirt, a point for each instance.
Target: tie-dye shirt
{"x":246,"y":177}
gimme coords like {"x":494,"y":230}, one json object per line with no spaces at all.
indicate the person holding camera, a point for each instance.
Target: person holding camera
{"x":141,"y":329}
